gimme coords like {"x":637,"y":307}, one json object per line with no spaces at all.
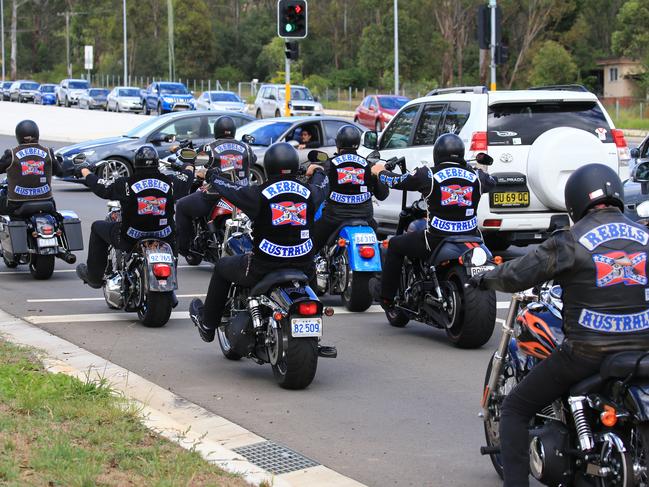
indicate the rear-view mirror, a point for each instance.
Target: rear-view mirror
{"x":635,"y":153}
{"x":79,"y":159}
{"x":248,"y":139}
{"x":373,"y":156}
{"x":160,"y":138}
{"x":484,"y":159}
{"x":371,"y":140}
{"x":202,"y":159}
{"x":640,"y":173}
{"x":294,"y":143}
{"x":272,"y":97}
{"x":317,"y":156}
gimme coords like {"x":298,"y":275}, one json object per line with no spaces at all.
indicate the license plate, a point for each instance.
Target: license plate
{"x":161,"y":258}
{"x":511,"y":199}
{"x":306,"y":327}
{"x":364,"y":238}
{"x":47,"y":242}
{"x":480,"y":269}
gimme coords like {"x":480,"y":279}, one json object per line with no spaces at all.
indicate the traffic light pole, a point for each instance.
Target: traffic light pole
{"x":492,"y":6}
{"x":287,"y":89}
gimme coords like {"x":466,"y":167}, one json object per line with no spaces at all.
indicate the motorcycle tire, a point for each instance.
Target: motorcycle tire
{"x":297,"y":368}
{"x":475,"y":318}
{"x":491,"y":426}
{"x":397,"y":318}
{"x":224,"y":343}
{"x":41,"y":266}
{"x":155,"y":311}
{"x":356,"y":296}
{"x":193,"y":259}
{"x":639,"y":450}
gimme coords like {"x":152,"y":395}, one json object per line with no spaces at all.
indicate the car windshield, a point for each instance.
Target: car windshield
{"x":297,"y":94}
{"x":265,"y":133}
{"x":29,"y":86}
{"x":146,"y":127}
{"x":7,"y":84}
{"x":173,"y":90}
{"x":523,"y":123}
{"x":47,"y":88}
{"x":78,"y":85}
{"x":129,"y":92}
{"x":98,"y":92}
{"x":230,"y":97}
{"x":393,"y":102}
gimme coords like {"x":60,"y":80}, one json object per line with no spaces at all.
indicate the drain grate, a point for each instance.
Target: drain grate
{"x":274,"y":458}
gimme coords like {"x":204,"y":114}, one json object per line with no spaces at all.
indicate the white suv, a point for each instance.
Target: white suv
{"x":537,"y":138}
{"x":270,"y":102}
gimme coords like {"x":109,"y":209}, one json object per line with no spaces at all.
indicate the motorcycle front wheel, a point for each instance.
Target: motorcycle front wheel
{"x":395,"y":316}
{"x":155,"y":310}
{"x":225,"y":345}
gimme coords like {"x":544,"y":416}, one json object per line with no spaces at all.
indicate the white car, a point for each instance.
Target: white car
{"x":270,"y":102}
{"x":537,"y":138}
{"x":124,"y":99}
{"x":69,"y":91}
{"x":220,"y":100}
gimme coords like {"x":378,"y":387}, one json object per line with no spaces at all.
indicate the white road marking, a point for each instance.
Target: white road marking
{"x":73,"y":270}
{"x":66,"y":300}
{"x":502,"y":305}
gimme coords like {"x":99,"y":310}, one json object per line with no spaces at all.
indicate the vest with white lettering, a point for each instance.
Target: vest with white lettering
{"x":29,"y":177}
{"x":349,"y":175}
{"x":453,"y":201}
{"x":232,"y":157}
{"x":282,"y":230}
{"x":606,"y":293}
{"x":149,"y":210}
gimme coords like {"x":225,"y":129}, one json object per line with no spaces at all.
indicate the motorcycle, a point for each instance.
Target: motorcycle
{"x":141,"y":280}
{"x":36,"y":234}
{"x":433,"y":291}
{"x":598,"y":434}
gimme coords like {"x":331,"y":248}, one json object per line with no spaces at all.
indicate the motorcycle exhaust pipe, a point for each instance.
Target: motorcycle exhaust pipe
{"x":489,"y":450}
{"x":327,"y":352}
{"x":67,"y":257}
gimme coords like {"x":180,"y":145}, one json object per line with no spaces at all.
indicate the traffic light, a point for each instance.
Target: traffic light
{"x":292,"y":50}
{"x":292,"y":19}
{"x":484,"y":26}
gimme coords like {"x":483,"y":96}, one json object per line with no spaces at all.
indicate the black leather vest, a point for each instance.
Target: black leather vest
{"x":29,"y":176}
{"x":149,"y":210}
{"x":606,"y":294}
{"x":232,"y":157}
{"x":282,"y":230}
{"x":453,"y":201}
{"x":348,"y":178}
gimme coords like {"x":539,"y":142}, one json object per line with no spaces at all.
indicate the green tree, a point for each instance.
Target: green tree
{"x":552,"y":64}
{"x":194,"y":43}
{"x":632,"y":37}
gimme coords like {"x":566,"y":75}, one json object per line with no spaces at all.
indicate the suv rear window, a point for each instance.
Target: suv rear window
{"x":523,"y":123}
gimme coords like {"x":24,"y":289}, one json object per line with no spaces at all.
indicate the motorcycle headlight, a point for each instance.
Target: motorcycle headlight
{"x":643,"y":209}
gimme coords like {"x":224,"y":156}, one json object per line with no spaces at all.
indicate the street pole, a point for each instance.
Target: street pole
{"x":287,"y":89}
{"x":2,"y":33}
{"x":396,"y":47}
{"x":170,"y":29}
{"x":125,"y":46}
{"x":67,"y":43}
{"x":492,"y":6}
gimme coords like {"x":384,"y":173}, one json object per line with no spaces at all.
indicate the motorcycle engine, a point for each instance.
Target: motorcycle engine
{"x":240,"y":333}
{"x":548,"y":462}
{"x":113,"y":291}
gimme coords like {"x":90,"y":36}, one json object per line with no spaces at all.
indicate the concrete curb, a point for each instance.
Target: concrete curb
{"x":166,"y":413}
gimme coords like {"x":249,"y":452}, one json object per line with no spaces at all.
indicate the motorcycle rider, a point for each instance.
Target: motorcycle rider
{"x":452,"y":190}
{"x":147,"y":202}
{"x":29,"y":167}
{"x":601,"y":264}
{"x":229,"y":156}
{"x":282,"y":211}
{"x":352,"y":186}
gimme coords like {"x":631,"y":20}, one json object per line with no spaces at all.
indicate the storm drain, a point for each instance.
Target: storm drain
{"x":274,"y":458}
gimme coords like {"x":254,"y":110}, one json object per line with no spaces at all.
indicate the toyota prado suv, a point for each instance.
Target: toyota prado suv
{"x":536,"y":137}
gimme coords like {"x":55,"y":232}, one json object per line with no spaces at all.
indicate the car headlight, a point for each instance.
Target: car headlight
{"x":643,"y":209}
{"x":167,"y":99}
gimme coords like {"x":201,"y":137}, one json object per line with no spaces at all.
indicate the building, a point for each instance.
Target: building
{"x":621,"y":79}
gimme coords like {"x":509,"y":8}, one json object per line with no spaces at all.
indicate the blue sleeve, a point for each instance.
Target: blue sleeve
{"x":247,"y":198}
{"x":319,"y":187}
{"x":417,"y":180}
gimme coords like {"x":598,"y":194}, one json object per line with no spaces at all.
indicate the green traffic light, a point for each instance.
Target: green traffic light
{"x":290,"y":27}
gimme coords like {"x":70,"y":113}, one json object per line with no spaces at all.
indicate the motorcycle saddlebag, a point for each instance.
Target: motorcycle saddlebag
{"x":72,"y":229}
{"x":240,"y":334}
{"x":13,"y":236}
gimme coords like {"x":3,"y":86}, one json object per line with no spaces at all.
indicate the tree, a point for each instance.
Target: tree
{"x":193,"y":39}
{"x":632,"y":37}
{"x":552,"y":64}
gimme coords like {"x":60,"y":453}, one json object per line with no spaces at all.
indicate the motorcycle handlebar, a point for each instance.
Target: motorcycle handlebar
{"x":390,"y":164}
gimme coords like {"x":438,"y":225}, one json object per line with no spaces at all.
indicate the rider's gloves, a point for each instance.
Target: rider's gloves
{"x":476,"y":282}
{"x":86,"y":165}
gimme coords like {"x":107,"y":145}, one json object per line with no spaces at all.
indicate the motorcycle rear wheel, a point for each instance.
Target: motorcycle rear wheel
{"x":297,"y":367}
{"x":41,"y":266}
{"x":356,"y":297}
{"x":155,"y":310}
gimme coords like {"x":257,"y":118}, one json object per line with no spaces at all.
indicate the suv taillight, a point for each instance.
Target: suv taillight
{"x":479,"y":142}
{"x":623,"y":153}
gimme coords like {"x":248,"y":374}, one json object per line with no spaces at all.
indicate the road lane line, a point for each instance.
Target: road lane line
{"x":66,"y":300}
{"x":202,"y":266}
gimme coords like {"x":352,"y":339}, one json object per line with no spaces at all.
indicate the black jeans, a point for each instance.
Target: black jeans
{"x":102,"y":235}
{"x":327,"y":225}
{"x":195,"y":205}
{"x":548,"y":381}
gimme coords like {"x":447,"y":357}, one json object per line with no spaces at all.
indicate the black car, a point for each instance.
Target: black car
{"x":159,"y":131}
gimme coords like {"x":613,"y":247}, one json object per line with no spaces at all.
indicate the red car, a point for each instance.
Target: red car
{"x":376,"y":111}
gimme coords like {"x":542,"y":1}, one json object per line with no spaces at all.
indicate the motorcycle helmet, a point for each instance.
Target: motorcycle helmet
{"x":27,"y":132}
{"x":448,"y":148}
{"x":146,"y":157}
{"x":224,"y":128}
{"x":348,"y":138}
{"x":591,"y":185}
{"x":281,"y":158}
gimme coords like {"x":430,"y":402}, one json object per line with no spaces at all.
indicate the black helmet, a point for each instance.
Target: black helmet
{"x":224,"y":128}
{"x":27,"y":132}
{"x":348,"y":138}
{"x":146,"y":157}
{"x":591,"y":185}
{"x":448,"y":148}
{"x":281,"y":158}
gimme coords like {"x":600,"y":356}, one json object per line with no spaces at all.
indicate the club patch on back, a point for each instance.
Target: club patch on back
{"x":613,"y":231}
{"x":621,"y":268}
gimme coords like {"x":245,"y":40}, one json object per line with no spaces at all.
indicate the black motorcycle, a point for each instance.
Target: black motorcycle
{"x":433,"y":291}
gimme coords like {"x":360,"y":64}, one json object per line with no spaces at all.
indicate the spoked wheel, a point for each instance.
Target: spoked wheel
{"x":113,"y":169}
{"x":41,"y":266}
{"x":396,"y":317}
{"x":620,"y":464}
{"x":640,"y":454}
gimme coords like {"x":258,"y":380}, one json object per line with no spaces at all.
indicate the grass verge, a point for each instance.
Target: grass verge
{"x":56,"y":430}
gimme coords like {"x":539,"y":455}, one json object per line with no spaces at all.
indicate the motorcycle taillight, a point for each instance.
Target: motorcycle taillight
{"x":366,"y":251}
{"x":161,"y":271}
{"x":307,"y":308}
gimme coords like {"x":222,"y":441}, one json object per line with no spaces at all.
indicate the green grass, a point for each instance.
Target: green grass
{"x":56,"y":430}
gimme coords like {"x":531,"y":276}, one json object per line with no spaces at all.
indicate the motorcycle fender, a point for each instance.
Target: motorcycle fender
{"x":68,"y":215}
{"x":637,"y":401}
{"x":289,"y":297}
{"x":356,"y":262}
{"x":154,"y":284}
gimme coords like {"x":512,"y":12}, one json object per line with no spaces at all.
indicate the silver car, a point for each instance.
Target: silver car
{"x":94,"y":98}
{"x":220,"y":100}
{"x":23,"y":91}
{"x":124,"y":99}
{"x":270,"y":102}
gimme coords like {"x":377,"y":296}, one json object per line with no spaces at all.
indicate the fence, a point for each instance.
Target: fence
{"x":628,"y":113}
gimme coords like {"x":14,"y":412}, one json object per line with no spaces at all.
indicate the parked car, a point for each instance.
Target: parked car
{"x":165,"y":97}
{"x":220,"y":100}
{"x":4,"y":90}
{"x":270,"y":102}
{"x":124,"y":99}
{"x":69,"y":91}
{"x":633,"y":195}
{"x":159,"y":131}
{"x":375,"y":111}
{"x":537,"y":138}
{"x":46,"y":95}
{"x":94,"y":98}
{"x":23,"y":91}
{"x":288,"y":129}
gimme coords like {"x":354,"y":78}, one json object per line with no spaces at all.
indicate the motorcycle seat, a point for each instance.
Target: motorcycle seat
{"x":622,"y":364}
{"x":32,"y":207}
{"x":440,"y":254}
{"x":277,"y":277}
{"x":356,"y":222}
